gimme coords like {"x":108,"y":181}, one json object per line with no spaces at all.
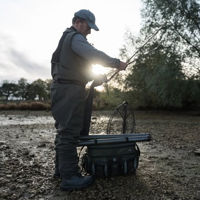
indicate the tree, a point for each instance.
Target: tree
{"x":40,"y":90}
{"x":22,"y":88}
{"x":30,"y":92}
{"x":48,"y":87}
{"x":155,"y":78}
{"x":166,"y":71}
{"x":8,"y":90}
{"x":179,"y":24}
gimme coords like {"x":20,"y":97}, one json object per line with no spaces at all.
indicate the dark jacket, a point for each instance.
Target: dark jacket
{"x":66,"y":64}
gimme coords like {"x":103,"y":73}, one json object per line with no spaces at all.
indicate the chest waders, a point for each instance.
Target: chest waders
{"x":68,"y":99}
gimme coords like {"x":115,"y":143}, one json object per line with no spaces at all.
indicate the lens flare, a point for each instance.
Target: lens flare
{"x":98,"y":69}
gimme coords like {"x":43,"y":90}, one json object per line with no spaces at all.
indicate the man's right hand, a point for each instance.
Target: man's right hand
{"x":122,"y":66}
{"x":100,"y":79}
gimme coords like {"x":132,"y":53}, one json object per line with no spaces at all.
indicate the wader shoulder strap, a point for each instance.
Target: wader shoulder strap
{"x":56,"y":54}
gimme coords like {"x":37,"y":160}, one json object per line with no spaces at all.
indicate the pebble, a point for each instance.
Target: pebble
{"x":32,"y":154}
{"x":26,"y":152}
{"x":41,"y":145}
{"x":197,"y":152}
{"x":3,"y":147}
{"x":2,"y":142}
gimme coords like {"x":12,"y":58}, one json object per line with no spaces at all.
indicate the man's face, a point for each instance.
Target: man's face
{"x":82,"y":27}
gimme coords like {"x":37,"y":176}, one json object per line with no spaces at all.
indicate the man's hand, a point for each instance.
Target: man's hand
{"x":122,"y":66}
{"x":100,"y":79}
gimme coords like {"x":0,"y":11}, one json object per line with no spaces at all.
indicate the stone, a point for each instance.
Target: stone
{"x":197,"y":152}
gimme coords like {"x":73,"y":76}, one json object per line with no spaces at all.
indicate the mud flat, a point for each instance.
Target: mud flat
{"x":169,"y":165}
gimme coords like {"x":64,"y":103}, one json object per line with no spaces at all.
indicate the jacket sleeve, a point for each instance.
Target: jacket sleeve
{"x":83,"y":48}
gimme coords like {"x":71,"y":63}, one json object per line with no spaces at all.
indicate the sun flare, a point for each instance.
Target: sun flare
{"x":99,"y":69}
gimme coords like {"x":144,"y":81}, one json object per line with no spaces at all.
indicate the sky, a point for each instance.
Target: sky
{"x":30,"y":31}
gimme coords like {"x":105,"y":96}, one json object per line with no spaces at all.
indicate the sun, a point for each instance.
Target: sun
{"x":99,"y":69}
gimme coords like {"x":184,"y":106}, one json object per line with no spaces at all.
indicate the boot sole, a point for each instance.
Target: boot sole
{"x":71,"y":188}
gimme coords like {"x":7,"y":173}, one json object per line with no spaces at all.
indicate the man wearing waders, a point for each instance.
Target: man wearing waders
{"x":71,"y":70}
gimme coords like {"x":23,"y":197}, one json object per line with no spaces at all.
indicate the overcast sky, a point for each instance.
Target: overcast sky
{"x":31,"y":29}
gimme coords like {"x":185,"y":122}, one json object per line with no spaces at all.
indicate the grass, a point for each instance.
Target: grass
{"x":25,"y":106}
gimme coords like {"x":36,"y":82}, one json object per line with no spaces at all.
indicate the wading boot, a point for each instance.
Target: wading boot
{"x":77,"y":182}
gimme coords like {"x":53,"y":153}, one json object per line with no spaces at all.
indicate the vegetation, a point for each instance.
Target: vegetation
{"x":24,"y":95}
{"x":36,"y":96}
{"x":25,"y":106}
{"x":166,"y":71}
{"x":24,"y":91}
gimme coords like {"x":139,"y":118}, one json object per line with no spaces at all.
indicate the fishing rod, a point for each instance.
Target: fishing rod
{"x":89,"y":97}
{"x":128,"y":62}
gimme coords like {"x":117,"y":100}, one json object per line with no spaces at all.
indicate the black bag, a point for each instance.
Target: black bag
{"x":104,"y":160}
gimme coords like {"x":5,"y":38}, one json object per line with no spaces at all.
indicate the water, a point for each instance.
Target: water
{"x":6,"y":120}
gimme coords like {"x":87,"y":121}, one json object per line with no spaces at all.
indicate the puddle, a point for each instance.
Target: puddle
{"x":25,"y":120}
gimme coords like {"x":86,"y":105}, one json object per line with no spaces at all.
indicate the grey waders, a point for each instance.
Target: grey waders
{"x":68,"y":102}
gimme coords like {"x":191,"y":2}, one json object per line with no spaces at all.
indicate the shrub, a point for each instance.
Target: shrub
{"x":25,"y":106}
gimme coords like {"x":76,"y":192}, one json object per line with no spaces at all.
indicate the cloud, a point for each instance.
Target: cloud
{"x":23,"y":62}
{"x":15,"y":64}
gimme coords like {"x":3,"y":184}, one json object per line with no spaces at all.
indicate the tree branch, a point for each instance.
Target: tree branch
{"x":188,"y":42}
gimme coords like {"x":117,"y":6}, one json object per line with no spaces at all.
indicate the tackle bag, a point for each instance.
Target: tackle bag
{"x":105,"y":160}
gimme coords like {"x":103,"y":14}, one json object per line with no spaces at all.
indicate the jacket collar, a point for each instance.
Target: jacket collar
{"x":73,"y":29}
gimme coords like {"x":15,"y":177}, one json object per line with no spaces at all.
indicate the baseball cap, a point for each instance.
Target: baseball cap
{"x":88,"y":16}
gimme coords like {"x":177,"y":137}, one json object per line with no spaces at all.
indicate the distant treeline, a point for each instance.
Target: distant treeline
{"x":24,"y":91}
{"x":36,"y":96}
{"x":161,"y":93}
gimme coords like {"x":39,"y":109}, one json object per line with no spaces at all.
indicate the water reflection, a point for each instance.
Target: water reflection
{"x":24,"y":120}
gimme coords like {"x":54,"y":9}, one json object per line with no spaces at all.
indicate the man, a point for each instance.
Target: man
{"x":70,"y":70}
